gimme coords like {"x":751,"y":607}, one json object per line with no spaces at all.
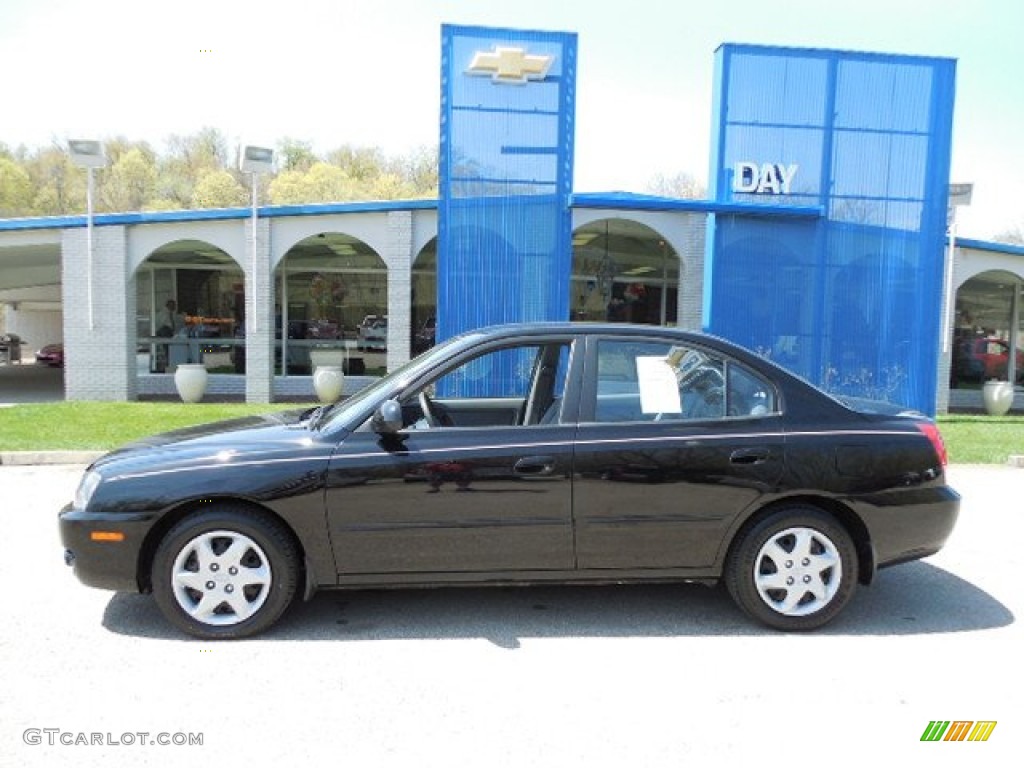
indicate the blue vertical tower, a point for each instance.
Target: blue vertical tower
{"x":506,"y":157}
{"x":851,"y":300}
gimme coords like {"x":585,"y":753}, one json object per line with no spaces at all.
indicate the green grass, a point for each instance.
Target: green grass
{"x":101,"y":426}
{"x":980,"y":439}
{"x":82,"y":425}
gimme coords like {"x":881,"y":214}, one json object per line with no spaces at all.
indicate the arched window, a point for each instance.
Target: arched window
{"x":190,"y":308}
{"x":424,"y":299}
{"x":989,"y":322}
{"x":623,"y":271}
{"x":332,"y":297}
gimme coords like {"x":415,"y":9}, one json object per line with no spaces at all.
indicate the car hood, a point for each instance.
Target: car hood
{"x":273,"y":434}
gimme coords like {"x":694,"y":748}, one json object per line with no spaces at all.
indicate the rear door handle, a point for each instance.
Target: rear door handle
{"x":535,"y":465}
{"x":750,"y":456}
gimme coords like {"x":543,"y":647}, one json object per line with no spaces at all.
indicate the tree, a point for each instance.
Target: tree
{"x":15,"y":189}
{"x":322,"y":183}
{"x":387,"y":186}
{"x":1013,"y":236}
{"x":218,"y":189}
{"x":58,"y":186}
{"x":287,"y":188}
{"x":360,"y":163}
{"x":682,"y":185}
{"x":205,"y":150}
{"x":419,"y":168}
{"x":188,"y":159}
{"x":162,"y":204}
{"x":295,"y":155}
{"x":196,"y":170}
{"x":130,"y":182}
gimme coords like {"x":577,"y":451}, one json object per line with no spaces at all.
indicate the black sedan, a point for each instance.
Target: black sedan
{"x":570,"y":453}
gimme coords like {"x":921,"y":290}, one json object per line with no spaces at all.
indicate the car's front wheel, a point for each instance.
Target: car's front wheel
{"x":794,"y":570}
{"x":228,"y":572}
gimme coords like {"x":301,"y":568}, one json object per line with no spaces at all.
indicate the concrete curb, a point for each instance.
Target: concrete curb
{"x":31,"y":458}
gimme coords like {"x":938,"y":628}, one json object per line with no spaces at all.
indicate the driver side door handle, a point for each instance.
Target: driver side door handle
{"x":750,"y":456}
{"x":535,"y":466}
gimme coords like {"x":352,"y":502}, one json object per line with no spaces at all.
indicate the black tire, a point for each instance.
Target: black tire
{"x":794,"y":570}
{"x":248,"y":579}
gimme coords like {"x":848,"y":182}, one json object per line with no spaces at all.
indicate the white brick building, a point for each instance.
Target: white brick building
{"x":107,"y":303}
{"x":45,"y":288}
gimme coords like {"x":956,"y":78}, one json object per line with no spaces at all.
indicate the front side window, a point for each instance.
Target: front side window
{"x":655,"y":381}
{"x":519,"y":385}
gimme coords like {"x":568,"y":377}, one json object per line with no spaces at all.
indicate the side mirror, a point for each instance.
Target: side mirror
{"x":388,"y":418}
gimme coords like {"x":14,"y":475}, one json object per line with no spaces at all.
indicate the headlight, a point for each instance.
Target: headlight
{"x":90,"y":482}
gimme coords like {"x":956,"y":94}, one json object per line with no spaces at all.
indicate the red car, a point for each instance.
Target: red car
{"x":51,"y":354}
{"x":982,"y":359}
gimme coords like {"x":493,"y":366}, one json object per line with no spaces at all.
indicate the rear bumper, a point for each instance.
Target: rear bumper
{"x":910,"y":524}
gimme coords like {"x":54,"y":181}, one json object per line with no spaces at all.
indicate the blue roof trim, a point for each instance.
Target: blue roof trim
{"x":984,"y":245}
{"x":42,"y":222}
{"x":632,"y":202}
{"x":375,"y":206}
{"x":214,"y":214}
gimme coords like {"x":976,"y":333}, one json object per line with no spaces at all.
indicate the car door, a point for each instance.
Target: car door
{"x":674,"y":442}
{"x":478,"y":481}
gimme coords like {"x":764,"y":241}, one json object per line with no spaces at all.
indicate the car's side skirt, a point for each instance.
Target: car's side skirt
{"x":526,"y":578}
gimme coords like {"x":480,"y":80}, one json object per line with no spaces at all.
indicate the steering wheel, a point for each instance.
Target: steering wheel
{"x":428,"y":409}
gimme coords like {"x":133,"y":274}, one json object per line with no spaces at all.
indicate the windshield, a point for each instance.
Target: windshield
{"x":352,"y":407}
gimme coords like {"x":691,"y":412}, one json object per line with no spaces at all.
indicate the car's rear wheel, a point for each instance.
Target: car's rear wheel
{"x":228,"y":572}
{"x":794,"y":570}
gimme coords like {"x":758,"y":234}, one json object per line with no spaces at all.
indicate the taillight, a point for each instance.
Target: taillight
{"x":932,"y":433}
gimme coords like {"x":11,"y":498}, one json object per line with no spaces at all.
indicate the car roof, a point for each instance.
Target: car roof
{"x":598,"y":328}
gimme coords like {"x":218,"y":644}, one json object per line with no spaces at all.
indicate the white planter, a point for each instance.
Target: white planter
{"x":190,"y":380}
{"x":327,"y":381}
{"x":998,"y":397}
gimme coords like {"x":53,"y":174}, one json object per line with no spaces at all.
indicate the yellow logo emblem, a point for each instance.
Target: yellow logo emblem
{"x":510,"y":65}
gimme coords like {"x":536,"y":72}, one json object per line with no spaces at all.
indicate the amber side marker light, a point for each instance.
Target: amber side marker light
{"x":106,"y":536}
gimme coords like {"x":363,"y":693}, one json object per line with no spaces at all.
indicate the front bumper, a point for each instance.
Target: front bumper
{"x":104,"y":563}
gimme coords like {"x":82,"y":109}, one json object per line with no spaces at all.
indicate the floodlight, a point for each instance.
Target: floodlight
{"x":256,"y":160}
{"x":87,"y":153}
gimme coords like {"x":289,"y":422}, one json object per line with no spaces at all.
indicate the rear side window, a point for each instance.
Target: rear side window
{"x":656,"y":381}
{"x":749,"y":394}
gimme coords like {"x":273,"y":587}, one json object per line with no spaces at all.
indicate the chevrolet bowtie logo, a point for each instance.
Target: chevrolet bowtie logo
{"x":510,"y":65}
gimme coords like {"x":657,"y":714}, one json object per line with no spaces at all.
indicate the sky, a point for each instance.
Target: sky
{"x":367,"y":73}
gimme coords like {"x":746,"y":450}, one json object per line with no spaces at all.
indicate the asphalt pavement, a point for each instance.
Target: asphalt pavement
{"x":666,"y":675}
{"x":27,"y":382}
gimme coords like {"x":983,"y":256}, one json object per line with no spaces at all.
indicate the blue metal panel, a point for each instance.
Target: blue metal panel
{"x":851,"y":302}
{"x":506,"y":154}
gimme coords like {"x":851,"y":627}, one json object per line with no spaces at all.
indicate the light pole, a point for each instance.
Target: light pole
{"x":88,"y":154}
{"x":254,"y":161}
{"x":959,"y":195}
